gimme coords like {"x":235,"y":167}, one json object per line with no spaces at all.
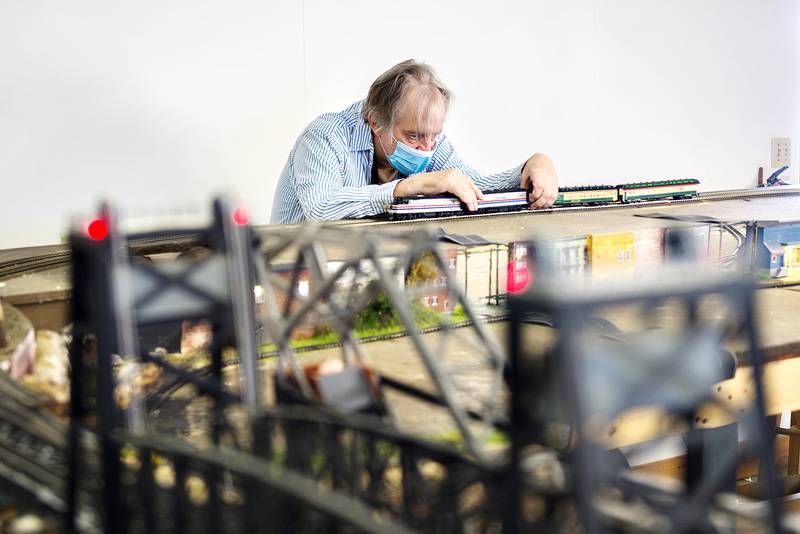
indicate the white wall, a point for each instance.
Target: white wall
{"x":162,"y":104}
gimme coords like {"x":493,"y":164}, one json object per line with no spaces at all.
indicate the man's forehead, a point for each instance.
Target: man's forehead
{"x":422,"y":109}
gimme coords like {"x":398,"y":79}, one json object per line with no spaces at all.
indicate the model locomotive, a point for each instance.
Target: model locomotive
{"x":517,"y":199}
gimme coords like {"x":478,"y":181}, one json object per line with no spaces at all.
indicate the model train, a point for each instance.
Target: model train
{"x":517,"y":199}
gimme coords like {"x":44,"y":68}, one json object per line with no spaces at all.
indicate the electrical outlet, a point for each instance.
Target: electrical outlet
{"x":781,"y":152}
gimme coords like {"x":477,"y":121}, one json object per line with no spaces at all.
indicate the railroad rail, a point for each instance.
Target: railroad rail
{"x":33,"y":444}
{"x":16,"y":262}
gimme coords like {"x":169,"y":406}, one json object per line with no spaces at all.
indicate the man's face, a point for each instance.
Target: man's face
{"x":418,"y":124}
{"x":417,"y":130}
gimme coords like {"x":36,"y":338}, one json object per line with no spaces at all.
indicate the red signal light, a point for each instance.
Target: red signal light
{"x":517,"y":276}
{"x":98,"y":229}
{"x":240,"y":216}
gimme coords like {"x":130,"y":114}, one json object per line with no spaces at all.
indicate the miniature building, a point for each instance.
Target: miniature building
{"x":776,"y":248}
{"x":649,"y":247}
{"x":611,"y":253}
{"x":571,"y":256}
{"x":791,"y":259}
{"x":436,"y":295}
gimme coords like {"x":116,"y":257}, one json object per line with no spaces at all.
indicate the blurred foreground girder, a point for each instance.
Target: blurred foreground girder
{"x":585,"y":379}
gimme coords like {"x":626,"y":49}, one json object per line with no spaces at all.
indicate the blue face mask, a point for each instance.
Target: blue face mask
{"x":408,"y":160}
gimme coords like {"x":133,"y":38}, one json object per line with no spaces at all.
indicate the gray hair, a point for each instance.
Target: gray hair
{"x":388,"y":93}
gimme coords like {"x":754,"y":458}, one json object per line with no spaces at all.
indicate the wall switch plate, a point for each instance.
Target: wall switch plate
{"x":781,"y":152}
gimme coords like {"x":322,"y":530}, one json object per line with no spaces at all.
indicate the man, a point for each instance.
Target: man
{"x":355,"y":162}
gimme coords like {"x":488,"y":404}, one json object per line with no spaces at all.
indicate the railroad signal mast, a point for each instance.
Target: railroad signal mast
{"x":115,"y":296}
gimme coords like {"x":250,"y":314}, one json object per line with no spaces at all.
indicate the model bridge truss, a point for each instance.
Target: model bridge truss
{"x":347,"y":270}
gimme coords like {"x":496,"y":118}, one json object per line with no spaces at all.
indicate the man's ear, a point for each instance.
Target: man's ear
{"x":372,"y":122}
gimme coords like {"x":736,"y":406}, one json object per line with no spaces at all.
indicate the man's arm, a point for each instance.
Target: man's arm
{"x":446,"y":181}
{"x":538,"y":171}
{"x":446,"y":157}
{"x":318,"y":170}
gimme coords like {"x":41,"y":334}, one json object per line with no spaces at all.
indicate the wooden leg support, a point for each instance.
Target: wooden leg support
{"x":793,"y":466}
{"x":3,"y":335}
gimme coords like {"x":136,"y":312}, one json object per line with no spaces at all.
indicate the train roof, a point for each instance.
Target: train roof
{"x":679,"y":181}
{"x":601,"y":187}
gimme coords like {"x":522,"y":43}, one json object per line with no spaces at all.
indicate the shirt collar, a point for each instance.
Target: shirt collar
{"x":360,"y":136}
{"x":360,"y":132}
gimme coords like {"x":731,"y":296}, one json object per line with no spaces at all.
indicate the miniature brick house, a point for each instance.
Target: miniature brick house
{"x":436,"y":296}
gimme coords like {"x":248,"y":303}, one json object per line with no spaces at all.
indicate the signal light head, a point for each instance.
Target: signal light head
{"x":98,"y":229}
{"x":517,"y":276}
{"x":240,"y":216}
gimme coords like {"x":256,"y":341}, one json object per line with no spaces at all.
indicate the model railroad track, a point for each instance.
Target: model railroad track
{"x":702,"y":197}
{"x":541,"y":319}
{"x":25,"y":261}
{"x":33,"y":447}
{"x":369,"y":339}
{"x":28,"y":261}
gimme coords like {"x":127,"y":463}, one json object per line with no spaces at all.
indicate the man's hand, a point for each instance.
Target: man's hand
{"x":435,"y":183}
{"x":541,"y":174}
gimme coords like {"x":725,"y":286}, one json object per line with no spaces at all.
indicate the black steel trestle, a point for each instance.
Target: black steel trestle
{"x":568,"y":396}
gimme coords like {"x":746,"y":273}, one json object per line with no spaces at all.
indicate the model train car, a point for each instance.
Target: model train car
{"x":517,"y":199}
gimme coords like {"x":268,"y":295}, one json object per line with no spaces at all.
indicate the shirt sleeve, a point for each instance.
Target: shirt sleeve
{"x":319,"y":177}
{"x":445,"y":157}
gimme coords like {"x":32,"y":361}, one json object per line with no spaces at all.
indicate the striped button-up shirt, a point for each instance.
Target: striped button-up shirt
{"x":328,"y":174}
